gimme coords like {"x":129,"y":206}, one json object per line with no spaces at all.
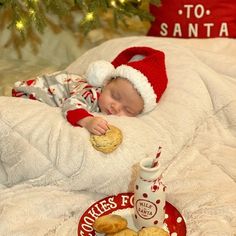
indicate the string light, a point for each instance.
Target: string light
{"x":31,"y":11}
{"x":20,"y":25}
{"x":32,"y":14}
{"x":89,"y":16}
{"x":113,"y":3}
{"x":122,"y":1}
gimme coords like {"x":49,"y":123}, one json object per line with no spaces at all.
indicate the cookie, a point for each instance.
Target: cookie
{"x":152,"y":231}
{"x":124,"y":232}
{"x":108,"y":142}
{"x":109,"y":224}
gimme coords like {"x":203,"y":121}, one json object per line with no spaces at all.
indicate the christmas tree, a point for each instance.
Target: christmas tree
{"x":27,"y":19}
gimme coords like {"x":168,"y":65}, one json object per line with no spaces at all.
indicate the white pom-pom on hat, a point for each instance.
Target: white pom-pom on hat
{"x":98,"y":72}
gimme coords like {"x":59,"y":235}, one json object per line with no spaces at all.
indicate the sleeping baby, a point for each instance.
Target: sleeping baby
{"x":130,"y":85}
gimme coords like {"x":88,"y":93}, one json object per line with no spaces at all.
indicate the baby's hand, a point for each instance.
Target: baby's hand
{"x":95,"y":125}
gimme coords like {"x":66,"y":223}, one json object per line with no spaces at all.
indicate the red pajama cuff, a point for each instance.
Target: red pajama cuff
{"x":74,"y":116}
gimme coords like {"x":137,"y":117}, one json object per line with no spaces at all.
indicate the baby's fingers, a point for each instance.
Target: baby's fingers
{"x":102,"y":128}
{"x":99,"y":131}
{"x":104,"y":125}
{"x":96,"y":132}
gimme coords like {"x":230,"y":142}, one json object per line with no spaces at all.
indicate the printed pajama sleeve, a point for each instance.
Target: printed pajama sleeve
{"x":71,"y":92}
{"x":81,"y":104}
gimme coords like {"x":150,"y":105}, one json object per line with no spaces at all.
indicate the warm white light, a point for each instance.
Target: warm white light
{"x":89,"y":16}
{"x":122,"y":1}
{"x":32,"y":11}
{"x":113,"y":3}
{"x":19,"y":25}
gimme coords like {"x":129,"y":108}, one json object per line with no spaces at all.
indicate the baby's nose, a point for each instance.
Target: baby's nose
{"x":117,"y":107}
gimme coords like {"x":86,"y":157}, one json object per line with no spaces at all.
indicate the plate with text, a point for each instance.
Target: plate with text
{"x":122,"y":204}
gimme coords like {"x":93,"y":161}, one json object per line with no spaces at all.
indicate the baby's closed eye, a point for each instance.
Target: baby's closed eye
{"x":115,"y":96}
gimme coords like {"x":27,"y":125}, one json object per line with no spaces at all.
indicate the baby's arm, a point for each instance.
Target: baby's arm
{"x":77,"y":108}
{"x":81,"y":117}
{"x":68,"y":91}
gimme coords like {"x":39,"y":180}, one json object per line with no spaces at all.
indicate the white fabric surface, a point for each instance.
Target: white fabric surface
{"x":51,"y":165}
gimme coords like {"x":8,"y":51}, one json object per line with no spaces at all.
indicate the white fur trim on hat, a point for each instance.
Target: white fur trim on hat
{"x":140,"y":82}
{"x":98,"y":72}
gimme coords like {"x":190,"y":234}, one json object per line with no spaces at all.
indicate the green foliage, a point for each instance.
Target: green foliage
{"x":36,"y":12}
{"x":28,"y":17}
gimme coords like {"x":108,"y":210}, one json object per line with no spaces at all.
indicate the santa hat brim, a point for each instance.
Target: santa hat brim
{"x":140,"y":83}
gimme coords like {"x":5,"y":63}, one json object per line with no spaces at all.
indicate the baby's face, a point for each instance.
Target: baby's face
{"x":120,"y":98}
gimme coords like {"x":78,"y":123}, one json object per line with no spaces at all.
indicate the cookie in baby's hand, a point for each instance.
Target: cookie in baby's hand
{"x":109,"y":141}
{"x":109,"y":224}
{"x":152,"y":231}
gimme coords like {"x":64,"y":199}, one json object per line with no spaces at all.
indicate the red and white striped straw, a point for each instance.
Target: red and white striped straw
{"x":155,"y":161}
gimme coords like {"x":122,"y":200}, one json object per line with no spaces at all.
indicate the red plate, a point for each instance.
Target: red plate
{"x":122,"y":204}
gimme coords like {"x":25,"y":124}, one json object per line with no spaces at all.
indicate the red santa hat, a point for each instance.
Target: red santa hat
{"x":144,"y":67}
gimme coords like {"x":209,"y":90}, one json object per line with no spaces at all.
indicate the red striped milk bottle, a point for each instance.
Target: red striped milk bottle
{"x":149,"y":195}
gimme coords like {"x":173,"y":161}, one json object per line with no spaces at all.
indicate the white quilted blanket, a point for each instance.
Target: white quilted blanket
{"x":49,"y":172}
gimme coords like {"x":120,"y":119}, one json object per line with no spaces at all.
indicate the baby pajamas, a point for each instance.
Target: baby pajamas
{"x":69,"y":91}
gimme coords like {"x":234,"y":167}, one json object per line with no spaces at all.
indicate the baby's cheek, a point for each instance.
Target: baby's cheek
{"x":123,"y":113}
